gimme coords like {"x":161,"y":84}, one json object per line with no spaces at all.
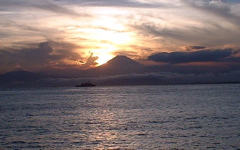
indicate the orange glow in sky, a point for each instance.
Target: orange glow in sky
{"x":104,"y":54}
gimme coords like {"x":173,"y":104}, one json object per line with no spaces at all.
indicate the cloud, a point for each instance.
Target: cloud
{"x":216,"y":7}
{"x":195,"y":56}
{"x":120,"y":3}
{"x":205,"y":32}
{"x":197,"y":47}
{"x":194,"y":22}
{"x":33,"y":4}
{"x":39,"y":58}
{"x":91,"y":61}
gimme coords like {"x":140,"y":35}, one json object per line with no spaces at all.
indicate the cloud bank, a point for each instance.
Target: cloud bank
{"x":195,"y":56}
{"x":39,"y":58}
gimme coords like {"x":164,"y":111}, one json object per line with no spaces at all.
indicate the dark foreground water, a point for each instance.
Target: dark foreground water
{"x":131,"y":117}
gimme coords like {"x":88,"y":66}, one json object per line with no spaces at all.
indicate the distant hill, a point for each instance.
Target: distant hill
{"x":117,"y":66}
{"x":20,"y":78}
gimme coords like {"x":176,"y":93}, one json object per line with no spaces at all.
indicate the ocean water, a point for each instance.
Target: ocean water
{"x":121,"y":117}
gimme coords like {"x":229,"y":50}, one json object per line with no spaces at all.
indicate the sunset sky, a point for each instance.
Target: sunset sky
{"x":42,"y":35}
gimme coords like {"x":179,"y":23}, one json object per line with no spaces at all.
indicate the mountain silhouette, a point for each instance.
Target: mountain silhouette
{"x":20,"y":78}
{"x":117,"y":66}
{"x":122,"y":62}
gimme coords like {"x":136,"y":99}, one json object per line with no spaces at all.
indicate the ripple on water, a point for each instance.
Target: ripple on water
{"x":140,"y":117}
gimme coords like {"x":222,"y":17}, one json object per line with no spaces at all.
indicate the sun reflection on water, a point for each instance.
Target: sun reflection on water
{"x":106,"y":129}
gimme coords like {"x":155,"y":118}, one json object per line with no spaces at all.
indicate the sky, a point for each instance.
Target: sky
{"x":46,"y":35}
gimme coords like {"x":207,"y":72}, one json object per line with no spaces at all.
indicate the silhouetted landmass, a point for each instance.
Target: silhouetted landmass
{"x":20,"y":78}
{"x":117,"y":66}
{"x":122,"y":70}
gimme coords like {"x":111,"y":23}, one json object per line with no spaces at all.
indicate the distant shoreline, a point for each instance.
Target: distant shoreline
{"x":102,"y":85}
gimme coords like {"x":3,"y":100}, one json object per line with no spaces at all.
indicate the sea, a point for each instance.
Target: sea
{"x":161,"y":117}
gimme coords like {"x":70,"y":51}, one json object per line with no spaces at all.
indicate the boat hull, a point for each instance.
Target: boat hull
{"x":85,"y":85}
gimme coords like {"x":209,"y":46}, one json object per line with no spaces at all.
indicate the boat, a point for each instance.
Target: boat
{"x":86,"y":84}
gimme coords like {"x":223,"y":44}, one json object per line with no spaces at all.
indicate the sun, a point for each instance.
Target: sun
{"x":103,"y":58}
{"x":106,"y":35}
{"x":104,"y":54}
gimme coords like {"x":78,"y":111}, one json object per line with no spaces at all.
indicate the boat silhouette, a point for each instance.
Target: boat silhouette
{"x":86,"y":84}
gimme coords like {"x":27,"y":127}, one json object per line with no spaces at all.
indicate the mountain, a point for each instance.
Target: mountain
{"x":121,"y":62}
{"x":117,"y":66}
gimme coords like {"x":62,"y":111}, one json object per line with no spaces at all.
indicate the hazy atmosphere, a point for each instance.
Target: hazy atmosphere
{"x":195,"y":40}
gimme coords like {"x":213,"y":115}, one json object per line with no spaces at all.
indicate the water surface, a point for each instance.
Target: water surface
{"x":125,"y":117}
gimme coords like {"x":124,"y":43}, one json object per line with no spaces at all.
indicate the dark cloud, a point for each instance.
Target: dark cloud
{"x":197,"y":47}
{"x":193,"y":48}
{"x":196,"y":56}
{"x":91,"y":61}
{"x":36,"y":59}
